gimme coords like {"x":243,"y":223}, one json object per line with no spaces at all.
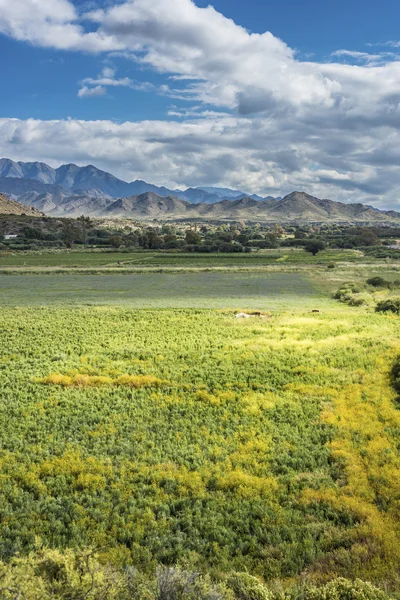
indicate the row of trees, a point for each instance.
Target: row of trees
{"x":233,"y":237}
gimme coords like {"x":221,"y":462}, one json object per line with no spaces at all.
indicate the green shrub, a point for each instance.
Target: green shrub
{"x":358,"y":300}
{"x":351,"y":293}
{"x":348,"y":288}
{"x":395,"y":374}
{"x":389,"y":305}
{"x":247,"y":587}
{"x":377,"y":282}
{"x":344,"y":589}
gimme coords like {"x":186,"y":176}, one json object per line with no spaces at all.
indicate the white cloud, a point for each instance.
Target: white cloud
{"x":258,"y":155}
{"x":98,"y":86}
{"x":366,"y":57}
{"x":86,"y":92}
{"x":272,"y":122}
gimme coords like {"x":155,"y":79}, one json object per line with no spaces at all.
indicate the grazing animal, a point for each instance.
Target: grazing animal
{"x":315,"y":311}
{"x":242,"y":316}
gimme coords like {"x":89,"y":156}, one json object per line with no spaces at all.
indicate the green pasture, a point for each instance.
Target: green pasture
{"x":95,"y":258}
{"x":165,"y":290}
{"x":188,"y":437}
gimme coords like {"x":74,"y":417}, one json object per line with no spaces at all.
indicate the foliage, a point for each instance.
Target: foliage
{"x":395,"y":373}
{"x":248,"y":587}
{"x":389,"y":305}
{"x":377,"y":282}
{"x":314,"y":246}
{"x":352,"y":294}
{"x":53,"y":575}
{"x":343,"y":589}
{"x":146,"y":290}
{"x":271,"y":446}
{"x":380,"y":282}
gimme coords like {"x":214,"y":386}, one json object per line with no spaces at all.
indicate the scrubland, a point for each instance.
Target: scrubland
{"x":192,"y":439}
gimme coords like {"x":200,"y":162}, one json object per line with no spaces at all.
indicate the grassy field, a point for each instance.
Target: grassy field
{"x":141,"y":420}
{"x":179,"y":260}
{"x":269,"y":445}
{"x":196,"y":290}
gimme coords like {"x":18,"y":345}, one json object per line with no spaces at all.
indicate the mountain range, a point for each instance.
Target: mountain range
{"x":71,"y":191}
{"x":297,"y":206}
{"x":17,"y":178}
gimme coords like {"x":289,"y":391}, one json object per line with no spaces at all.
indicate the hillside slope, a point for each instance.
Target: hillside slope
{"x":297,"y":206}
{"x":12,"y":207}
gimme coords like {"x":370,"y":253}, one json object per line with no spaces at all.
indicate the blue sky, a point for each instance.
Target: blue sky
{"x":175,"y":93}
{"x":48,"y":80}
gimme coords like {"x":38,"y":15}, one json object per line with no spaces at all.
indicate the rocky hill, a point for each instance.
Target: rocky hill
{"x":298,"y":206}
{"x":12,"y":207}
{"x":71,"y":191}
{"x":20,"y":177}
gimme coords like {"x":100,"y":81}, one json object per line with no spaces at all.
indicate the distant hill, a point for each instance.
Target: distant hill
{"x":71,"y":191}
{"x":71,"y":178}
{"x":227,"y":194}
{"x":12,"y":207}
{"x":298,"y":206}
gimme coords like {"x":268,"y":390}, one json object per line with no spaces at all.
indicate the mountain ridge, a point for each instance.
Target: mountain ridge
{"x":74,"y":178}
{"x":92,"y":192}
{"x":297,"y":206}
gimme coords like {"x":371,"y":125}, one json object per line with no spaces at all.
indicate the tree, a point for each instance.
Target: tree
{"x":68,"y":234}
{"x":314,"y":246}
{"x":116,"y":241}
{"x":192,"y":238}
{"x":86,"y":224}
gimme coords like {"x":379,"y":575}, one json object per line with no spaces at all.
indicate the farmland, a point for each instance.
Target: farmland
{"x":162,"y":290}
{"x":143,"y":421}
{"x":95,"y":258}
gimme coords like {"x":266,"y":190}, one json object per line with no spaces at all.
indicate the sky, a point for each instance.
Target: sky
{"x":263,"y":96}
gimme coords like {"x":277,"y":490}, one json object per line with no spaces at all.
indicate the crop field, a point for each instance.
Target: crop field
{"x":140,"y":420}
{"x":191,"y":437}
{"x":178,"y":260}
{"x":164,"y":290}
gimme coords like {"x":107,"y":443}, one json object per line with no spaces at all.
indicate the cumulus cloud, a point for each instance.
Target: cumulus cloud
{"x":265,"y":120}
{"x":99,"y":85}
{"x":87,"y":92}
{"x":259,"y":155}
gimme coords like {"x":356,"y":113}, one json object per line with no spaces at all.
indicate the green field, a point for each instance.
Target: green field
{"x":196,"y":290}
{"x":142,"y":424}
{"x":172,"y":260}
{"x":161,"y":436}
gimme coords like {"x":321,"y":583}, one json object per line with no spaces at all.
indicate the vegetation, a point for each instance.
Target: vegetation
{"x":183,"y":453}
{"x":352,"y":294}
{"x":267,"y":445}
{"x":389,"y":305}
{"x":52,"y":575}
{"x":35,"y":233}
{"x":314,"y":246}
{"x":162,"y":290}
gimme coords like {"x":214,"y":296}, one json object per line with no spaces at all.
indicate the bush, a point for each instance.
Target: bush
{"x":389,"y":305}
{"x":174,"y":584}
{"x":358,"y":299}
{"x":314,"y":246}
{"x":395,"y":375}
{"x":377,"y":282}
{"x":62,"y":576}
{"x":347,"y":290}
{"x":351,"y":293}
{"x":344,"y":589}
{"x":247,"y":587}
